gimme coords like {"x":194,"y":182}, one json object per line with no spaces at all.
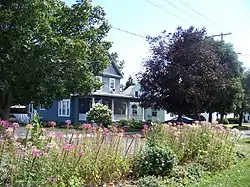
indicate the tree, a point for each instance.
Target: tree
{"x":120,"y":63}
{"x":49,"y":50}
{"x":231,"y":97}
{"x":180,"y":72}
{"x":245,"y":105}
{"x":130,"y":82}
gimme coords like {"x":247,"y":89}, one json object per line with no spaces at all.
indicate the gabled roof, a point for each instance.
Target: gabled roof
{"x":113,"y":70}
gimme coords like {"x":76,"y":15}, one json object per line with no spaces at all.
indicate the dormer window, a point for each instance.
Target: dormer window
{"x":112,"y":84}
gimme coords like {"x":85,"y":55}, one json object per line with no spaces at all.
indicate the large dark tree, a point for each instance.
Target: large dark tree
{"x":231,"y":97}
{"x":49,"y":50}
{"x":129,"y":82}
{"x":181,"y":72}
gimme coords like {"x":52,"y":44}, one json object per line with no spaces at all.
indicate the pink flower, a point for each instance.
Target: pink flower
{"x":120,"y":134}
{"x":114,"y":129}
{"x":29,"y":127}
{"x":52,"y":124}
{"x":59,"y":135}
{"x":87,"y":126}
{"x":80,"y":153}
{"x":43,"y":130}
{"x":36,"y":152}
{"x":15,"y":125}
{"x":68,"y":122}
{"x":4,"y":124}
{"x":68,"y":147}
{"x":105,"y":130}
{"x":134,"y":136}
{"x":145,"y":127}
{"x":50,"y":145}
{"x":138,"y":135}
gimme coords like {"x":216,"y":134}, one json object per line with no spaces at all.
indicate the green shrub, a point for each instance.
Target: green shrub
{"x":150,"y":181}
{"x":131,"y":123}
{"x":208,"y":144}
{"x":100,"y":114}
{"x":155,"y":160}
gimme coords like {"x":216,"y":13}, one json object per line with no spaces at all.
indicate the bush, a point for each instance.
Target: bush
{"x":208,"y":144}
{"x":150,"y":181}
{"x":100,"y":114}
{"x":131,"y":123}
{"x":155,"y":160}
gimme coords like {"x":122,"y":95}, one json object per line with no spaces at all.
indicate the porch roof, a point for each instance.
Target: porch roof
{"x":111,"y":95}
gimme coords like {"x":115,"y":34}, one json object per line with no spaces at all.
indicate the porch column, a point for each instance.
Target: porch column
{"x":93,"y":101}
{"x":142,"y":114}
{"x":128,"y":110}
{"x":113,"y":108}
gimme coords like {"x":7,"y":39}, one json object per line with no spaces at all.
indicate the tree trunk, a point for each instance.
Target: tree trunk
{"x":179,"y":117}
{"x":241,"y":118}
{"x":5,"y":102}
{"x":210,"y":116}
{"x":221,"y":117}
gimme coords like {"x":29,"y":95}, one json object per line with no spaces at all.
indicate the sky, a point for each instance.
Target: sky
{"x":144,"y":18}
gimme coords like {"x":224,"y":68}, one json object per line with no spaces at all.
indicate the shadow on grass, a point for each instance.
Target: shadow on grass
{"x":241,"y":127}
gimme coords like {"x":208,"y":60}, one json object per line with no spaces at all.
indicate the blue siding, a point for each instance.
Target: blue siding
{"x":51,"y":114}
{"x":111,"y":70}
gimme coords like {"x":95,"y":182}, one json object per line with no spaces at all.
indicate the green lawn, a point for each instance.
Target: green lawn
{"x":245,"y":126}
{"x":237,"y":176}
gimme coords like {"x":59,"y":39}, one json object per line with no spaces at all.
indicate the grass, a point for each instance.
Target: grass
{"x":236,"y":176}
{"x":245,"y":126}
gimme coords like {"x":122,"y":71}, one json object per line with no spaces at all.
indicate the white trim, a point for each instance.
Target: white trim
{"x":111,"y":79}
{"x":67,"y":108}
{"x":41,"y":108}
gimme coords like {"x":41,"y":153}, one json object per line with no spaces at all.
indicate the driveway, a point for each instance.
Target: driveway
{"x":245,"y":133}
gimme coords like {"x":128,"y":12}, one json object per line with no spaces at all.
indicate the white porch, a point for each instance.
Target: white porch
{"x":121,"y":108}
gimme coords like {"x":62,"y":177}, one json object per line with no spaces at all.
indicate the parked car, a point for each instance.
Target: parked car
{"x":197,"y":117}
{"x":186,"y":120}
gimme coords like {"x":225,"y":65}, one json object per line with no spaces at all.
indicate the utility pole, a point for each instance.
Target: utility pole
{"x":221,"y":35}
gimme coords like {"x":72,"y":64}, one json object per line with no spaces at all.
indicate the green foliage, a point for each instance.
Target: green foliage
{"x":150,"y":181}
{"x":49,"y":50}
{"x":207,"y":144}
{"x":100,"y":114}
{"x":155,"y":160}
{"x":131,"y":123}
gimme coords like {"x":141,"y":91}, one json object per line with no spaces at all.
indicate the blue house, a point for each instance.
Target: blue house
{"x":75,"y":107}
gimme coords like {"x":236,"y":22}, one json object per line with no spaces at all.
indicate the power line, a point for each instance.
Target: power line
{"x":128,"y":32}
{"x":166,"y":11}
{"x":196,"y":11}
{"x":173,"y":5}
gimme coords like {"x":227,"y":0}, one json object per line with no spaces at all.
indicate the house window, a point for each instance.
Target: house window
{"x":64,"y":108}
{"x":120,"y":107}
{"x":154,"y":113}
{"x":100,"y":78}
{"x":136,"y":94}
{"x":134,"y":110}
{"x":112,"y":84}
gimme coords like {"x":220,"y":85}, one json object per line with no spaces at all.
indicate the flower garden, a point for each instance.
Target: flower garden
{"x":162,"y":155}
